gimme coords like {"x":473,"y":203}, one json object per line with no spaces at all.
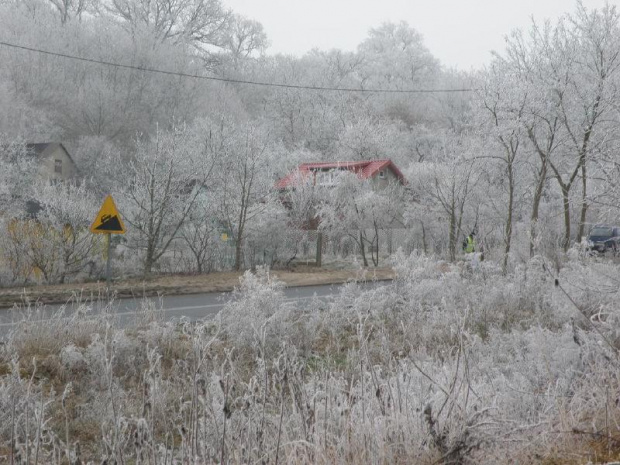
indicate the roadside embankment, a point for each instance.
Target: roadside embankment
{"x":178,"y":284}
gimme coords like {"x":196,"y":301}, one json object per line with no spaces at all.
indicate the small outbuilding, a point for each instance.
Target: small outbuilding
{"x":54,"y":161}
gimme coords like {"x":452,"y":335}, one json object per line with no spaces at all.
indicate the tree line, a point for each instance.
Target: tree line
{"x":527,"y":157}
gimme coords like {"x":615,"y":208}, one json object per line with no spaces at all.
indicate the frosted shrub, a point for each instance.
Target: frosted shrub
{"x":254,"y":317}
{"x":592,"y":285}
{"x":72,"y":358}
{"x":444,"y":365}
{"x":37,"y":334}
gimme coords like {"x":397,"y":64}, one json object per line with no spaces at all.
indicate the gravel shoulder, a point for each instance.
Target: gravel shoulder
{"x":178,"y":285}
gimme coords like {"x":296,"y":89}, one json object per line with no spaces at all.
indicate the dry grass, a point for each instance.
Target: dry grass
{"x":385,"y":377}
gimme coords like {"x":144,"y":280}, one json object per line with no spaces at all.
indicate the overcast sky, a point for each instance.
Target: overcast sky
{"x":460,"y":33}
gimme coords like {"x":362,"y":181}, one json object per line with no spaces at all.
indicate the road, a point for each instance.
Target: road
{"x":191,"y":306}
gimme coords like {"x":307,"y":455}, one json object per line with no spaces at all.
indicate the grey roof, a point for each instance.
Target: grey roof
{"x":39,"y":148}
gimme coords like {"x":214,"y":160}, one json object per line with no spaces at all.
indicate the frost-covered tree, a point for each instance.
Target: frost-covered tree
{"x":355,"y":208}
{"x":160,"y":188}
{"x":447,"y":186}
{"x":53,"y":243}
{"x":504,"y":103}
{"x":202,"y":22}
{"x":369,"y":137}
{"x":245,"y":166}
{"x":243,"y":39}
{"x":17,"y":174}
{"x":270,"y":240}
{"x":571,"y":71}
{"x":395,"y":55}
{"x":68,"y":9}
{"x":594,"y":91}
{"x":199,"y":231}
{"x":66,"y":212}
{"x":97,"y":100}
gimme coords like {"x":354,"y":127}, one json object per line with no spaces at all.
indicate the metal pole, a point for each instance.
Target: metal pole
{"x":107,"y":265}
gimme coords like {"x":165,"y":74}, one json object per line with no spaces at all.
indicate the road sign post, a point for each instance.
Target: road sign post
{"x":108,"y":222}
{"x":108,"y":259}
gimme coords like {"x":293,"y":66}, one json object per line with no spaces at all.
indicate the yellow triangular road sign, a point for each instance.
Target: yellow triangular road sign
{"x":108,"y":220}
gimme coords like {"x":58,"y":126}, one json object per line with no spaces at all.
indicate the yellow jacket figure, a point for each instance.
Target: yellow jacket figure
{"x":469,"y":245}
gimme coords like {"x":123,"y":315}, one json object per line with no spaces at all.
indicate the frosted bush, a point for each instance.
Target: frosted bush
{"x":72,"y":358}
{"x":445,"y":364}
{"x":254,"y":316}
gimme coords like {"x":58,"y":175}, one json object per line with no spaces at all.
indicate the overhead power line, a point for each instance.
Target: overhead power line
{"x":234,"y":81}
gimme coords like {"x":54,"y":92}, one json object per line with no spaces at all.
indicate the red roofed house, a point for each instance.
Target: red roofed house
{"x":379,"y":172}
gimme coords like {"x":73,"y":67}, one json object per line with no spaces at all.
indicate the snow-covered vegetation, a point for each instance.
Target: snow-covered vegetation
{"x":511,"y":358}
{"x":523,"y":152}
{"x":445,"y":365}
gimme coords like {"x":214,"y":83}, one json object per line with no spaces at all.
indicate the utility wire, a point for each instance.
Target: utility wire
{"x":234,"y":81}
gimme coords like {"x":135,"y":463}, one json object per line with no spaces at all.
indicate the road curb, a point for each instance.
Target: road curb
{"x":86,"y":295}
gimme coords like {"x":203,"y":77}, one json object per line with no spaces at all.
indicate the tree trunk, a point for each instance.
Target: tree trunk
{"x":319,"y":249}
{"x":540,"y":186}
{"x":148,"y":265}
{"x":374,"y":253}
{"x":508,"y":229}
{"x":583,"y":159}
{"x":149,"y":259}
{"x":238,"y":254}
{"x":375,"y":256}
{"x":584,"y":203}
{"x":452,"y":244}
{"x":566,"y":207}
{"x":239,"y":238}
{"x":363,"y":249}
{"x":424,"y":246}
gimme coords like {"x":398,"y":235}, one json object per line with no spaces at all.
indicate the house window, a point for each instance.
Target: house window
{"x":326,"y":178}
{"x":381,"y":174}
{"x":58,"y":166}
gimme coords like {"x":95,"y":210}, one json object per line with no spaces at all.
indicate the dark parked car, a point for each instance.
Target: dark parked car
{"x":604,"y":238}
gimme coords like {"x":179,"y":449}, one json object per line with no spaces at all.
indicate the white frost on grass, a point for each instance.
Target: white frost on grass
{"x":445,"y":364}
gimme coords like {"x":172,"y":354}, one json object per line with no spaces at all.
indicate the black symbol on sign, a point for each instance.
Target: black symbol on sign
{"x":109,"y":223}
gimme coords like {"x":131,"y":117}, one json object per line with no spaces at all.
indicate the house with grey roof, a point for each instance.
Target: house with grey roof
{"x":54,"y":165}
{"x":54,"y":161}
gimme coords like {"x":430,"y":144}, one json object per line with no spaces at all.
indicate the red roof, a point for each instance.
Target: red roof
{"x":364,"y":169}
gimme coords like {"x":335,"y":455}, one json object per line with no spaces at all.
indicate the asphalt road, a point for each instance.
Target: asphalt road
{"x":191,"y":306}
